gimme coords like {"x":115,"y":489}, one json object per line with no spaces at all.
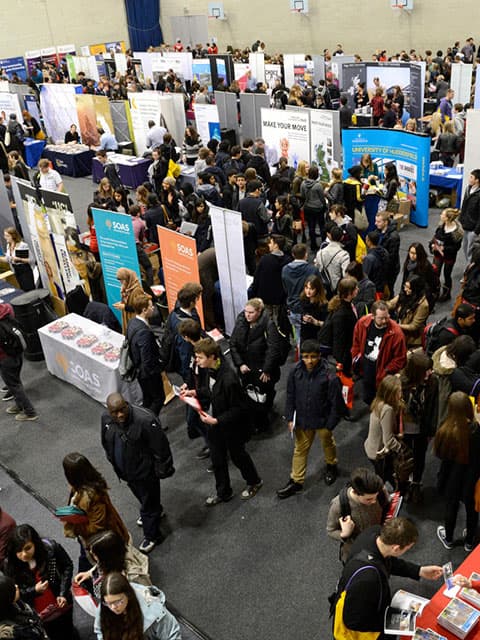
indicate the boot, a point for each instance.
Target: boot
{"x":331,"y":474}
{"x":290,"y":489}
{"x":445,"y":294}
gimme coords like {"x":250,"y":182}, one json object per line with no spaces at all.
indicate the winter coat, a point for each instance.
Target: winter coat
{"x":294,"y":275}
{"x":102,"y":515}
{"x":375,"y":267}
{"x":390,"y":240}
{"x":158,"y":622}
{"x":314,"y":398}
{"x":413,"y":321}
{"x":257,"y":346}
{"x":470,"y":214}
{"x":335,"y":260}
{"x":267,"y":282}
{"x":312,"y":193}
{"x":365,"y":296}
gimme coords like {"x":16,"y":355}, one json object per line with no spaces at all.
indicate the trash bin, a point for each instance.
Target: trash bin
{"x":32,"y":311}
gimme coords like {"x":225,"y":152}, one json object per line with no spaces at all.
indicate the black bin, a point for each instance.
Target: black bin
{"x":32,"y":311}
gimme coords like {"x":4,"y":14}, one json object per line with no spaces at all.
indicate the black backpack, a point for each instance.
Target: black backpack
{"x":166,"y":342}
{"x":431,"y":333}
{"x":12,"y":340}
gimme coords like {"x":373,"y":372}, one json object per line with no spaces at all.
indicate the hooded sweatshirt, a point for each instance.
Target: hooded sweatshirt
{"x":293,"y":279}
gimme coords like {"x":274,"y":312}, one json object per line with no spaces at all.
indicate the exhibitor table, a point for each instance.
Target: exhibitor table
{"x":79,"y":365}
{"x":448,"y":178}
{"x":428,"y":618}
{"x":133,"y":171}
{"x":70,"y":160}
{"x":33,"y":151}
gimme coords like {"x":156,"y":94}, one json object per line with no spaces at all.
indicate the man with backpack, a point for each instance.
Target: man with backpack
{"x":12,"y":345}
{"x":443,"y":332}
{"x":363,"y":592}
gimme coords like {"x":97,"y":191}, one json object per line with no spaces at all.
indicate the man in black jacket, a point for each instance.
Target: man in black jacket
{"x":314,"y":407}
{"x":145,"y":355}
{"x":227,"y":422}
{"x":470,"y":213}
{"x":253,"y":209}
{"x":375,"y":555}
{"x":389,"y":240}
{"x":139,"y":452}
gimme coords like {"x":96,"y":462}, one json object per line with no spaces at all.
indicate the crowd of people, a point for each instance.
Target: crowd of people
{"x":330,"y":302}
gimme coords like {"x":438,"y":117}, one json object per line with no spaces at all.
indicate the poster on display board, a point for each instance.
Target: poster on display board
{"x":32,"y":59}
{"x":9,"y":103}
{"x":476,"y":103}
{"x":202,"y":72}
{"x":117,"y":248}
{"x":63,"y":50}
{"x":64,"y":233}
{"x":144,"y":106}
{"x":59,"y":109}
{"x":138,"y":69}
{"x":289,"y":62}
{"x":120,"y":62}
{"x":87,"y":120}
{"x":409,"y":151}
{"x":240,"y":70}
{"x":273,"y":72}
{"x":31,"y":105}
{"x":180,"y":264}
{"x":181,"y":63}
{"x":229,"y":252}
{"x":207,"y":121}
{"x":101,"y":68}
{"x":286,"y":134}
{"x":15,"y":66}
{"x":33,"y":217}
{"x":49,"y":55}
{"x":324,"y":141}
{"x":222,"y":67}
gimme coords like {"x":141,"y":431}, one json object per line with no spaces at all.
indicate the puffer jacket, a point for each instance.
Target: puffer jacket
{"x":257,"y":346}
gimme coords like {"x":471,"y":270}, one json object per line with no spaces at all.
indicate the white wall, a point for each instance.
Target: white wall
{"x":37,"y":24}
{"x":360,"y":26}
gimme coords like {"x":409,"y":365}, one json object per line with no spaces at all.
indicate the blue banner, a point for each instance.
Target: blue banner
{"x":116,"y":245}
{"x":14,"y":65}
{"x":409,"y":151}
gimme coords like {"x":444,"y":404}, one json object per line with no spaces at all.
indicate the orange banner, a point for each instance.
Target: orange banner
{"x":180,"y":264}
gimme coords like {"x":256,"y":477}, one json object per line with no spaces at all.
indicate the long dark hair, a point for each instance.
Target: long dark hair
{"x":453,"y":438}
{"x":120,"y":627}
{"x":422,"y":259}
{"x":17,"y":569}
{"x":407,"y":303}
{"x":81,"y":474}
{"x":109,"y":549}
{"x":315,"y":282}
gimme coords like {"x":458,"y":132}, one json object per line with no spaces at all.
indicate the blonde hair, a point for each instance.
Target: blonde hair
{"x":387,"y":393}
{"x":451,"y":214}
{"x":436,"y":122}
{"x":448,"y":127}
{"x":302,"y":169}
{"x":413,"y":123}
{"x":256,"y":303}
{"x":336,"y":175}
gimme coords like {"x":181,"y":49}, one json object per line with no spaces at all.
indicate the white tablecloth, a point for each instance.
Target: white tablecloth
{"x":79,"y":366}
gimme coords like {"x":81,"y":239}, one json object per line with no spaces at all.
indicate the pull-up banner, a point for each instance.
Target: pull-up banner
{"x":410,"y":152}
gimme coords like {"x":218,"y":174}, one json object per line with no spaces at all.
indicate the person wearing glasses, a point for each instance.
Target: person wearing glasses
{"x":130,"y":610}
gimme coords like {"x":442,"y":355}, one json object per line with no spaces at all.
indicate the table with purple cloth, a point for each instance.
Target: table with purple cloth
{"x":451,"y":180}
{"x":74,"y":163}
{"x":133,"y":171}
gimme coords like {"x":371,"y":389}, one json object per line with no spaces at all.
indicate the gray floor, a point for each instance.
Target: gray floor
{"x":241,"y":571}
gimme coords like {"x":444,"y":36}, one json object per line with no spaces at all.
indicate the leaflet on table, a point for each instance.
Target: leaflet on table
{"x":427,"y":634}
{"x":192,"y":402}
{"x":471,"y":595}
{"x":401,"y":614}
{"x":458,"y":617}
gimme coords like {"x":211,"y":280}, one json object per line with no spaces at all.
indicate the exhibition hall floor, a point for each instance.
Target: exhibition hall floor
{"x":252,"y":570}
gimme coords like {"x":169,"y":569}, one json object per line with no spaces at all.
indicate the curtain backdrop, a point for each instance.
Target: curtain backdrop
{"x":143,"y":21}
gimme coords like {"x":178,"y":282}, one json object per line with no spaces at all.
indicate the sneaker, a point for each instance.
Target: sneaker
{"x":13,"y":410}
{"x":4,"y":389}
{"x":23,"y":417}
{"x":7,"y":397}
{"x":442,"y":536}
{"x":139,"y":521}
{"x":211,"y":501}
{"x":468,"y":546}
{"x":210,"y":468}
{"x":251,"y":491}
{"x":290,"y":489}
{"x":203,"y":454}
{"x":331,"y":474}
{"x":147,"y":545}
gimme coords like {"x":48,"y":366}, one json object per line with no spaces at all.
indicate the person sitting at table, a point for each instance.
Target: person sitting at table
{"x":48,"y":178}
{"x":411,"y":125}
{"x":369,"y":168}
{"x":17,"y":166}
{"x":360,"y":97}
{"x":19,"y":257}
{"x":71,"y":136}
{"x":108,"y":142}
